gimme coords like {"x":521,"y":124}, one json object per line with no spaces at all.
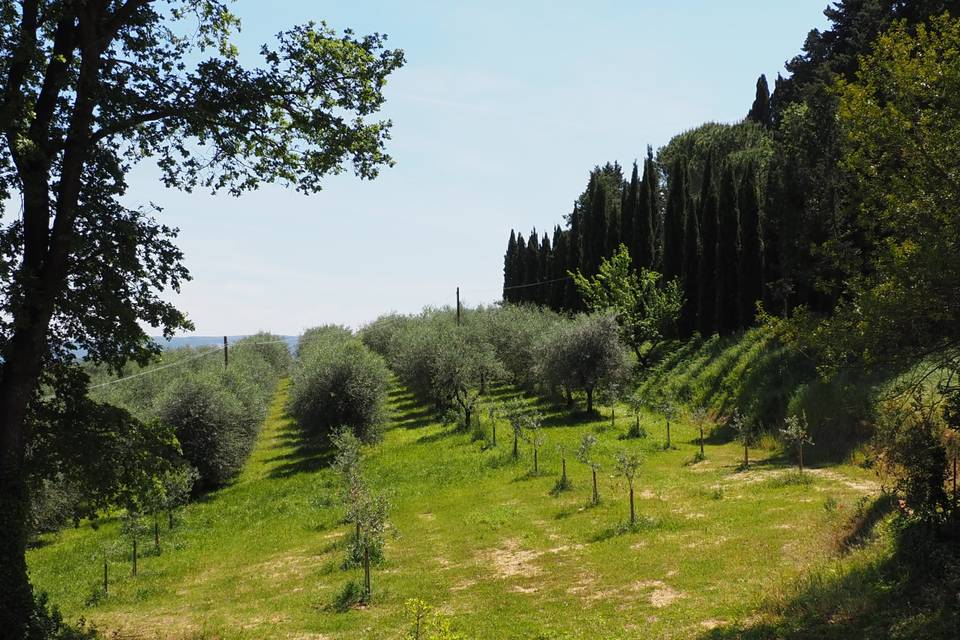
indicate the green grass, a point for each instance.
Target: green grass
{"x":476,"y":535}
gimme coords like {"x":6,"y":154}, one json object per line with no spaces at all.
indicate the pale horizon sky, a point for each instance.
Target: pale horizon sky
{"x":499,"y":114}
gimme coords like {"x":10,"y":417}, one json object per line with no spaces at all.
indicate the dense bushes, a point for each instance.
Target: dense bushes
{"x":215,"y":430}
{"x":338,"y":382}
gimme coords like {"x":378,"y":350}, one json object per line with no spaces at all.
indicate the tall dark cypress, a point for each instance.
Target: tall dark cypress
{"x":648,"y":208}
{"x":546,"y":259}
{"x":672,"y":260}
{"x":532,"y":271}
{"x":574,"y":258}
{"x":728,"y":254}
{"x":760,"y":111}
{"x":751,"y":246}
{"x":520,"y":269}
{"x":509,"y":273}
{"x":628,"y":213}
{"x":709,"y":208}
{"x":595,"y":225}
{"x":691,"y":268}
{"x":558,"y":268}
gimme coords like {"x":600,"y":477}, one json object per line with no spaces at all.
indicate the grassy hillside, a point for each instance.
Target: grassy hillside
{"x":476,"y":535}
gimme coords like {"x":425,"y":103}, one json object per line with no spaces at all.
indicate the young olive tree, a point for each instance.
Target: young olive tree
{"x":796,"y":434}
{"x":370,"y":510}
{"x":534,"y":435}
{"x":745,"y":434}
{"x":700,"y":417}
{"x":586,"y":453}
{"x":612,"y":392}
{"x":564,"y":482}
{"x":133,"y":529}
{"x":627,"y":465}
{"x":177,"y":486}
{"x":584,"y":353}
{"x":669,"y":409}
{"x":637,"y":403}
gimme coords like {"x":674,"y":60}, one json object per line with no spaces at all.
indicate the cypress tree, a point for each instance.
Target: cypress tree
{"x":574,"y":259}
{"x":672,"y":261}
{"x":648,"y":208}
{"x":751,"y":246}
{"x":728,"y":250}
{"x":628,"y":214}
{"x":509,"y":273}
{"x":558,"y":268}
{"x":595,"y":225}
{"x":709,"y":207}
{"x":546,"y":259}
{"x":691,"y":268}
{"x":760,"y":111}
{"x":532,"y":260}
{"x":520,"y":268}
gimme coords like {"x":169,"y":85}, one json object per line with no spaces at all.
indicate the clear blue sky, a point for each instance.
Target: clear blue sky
{"x":499,"y":114}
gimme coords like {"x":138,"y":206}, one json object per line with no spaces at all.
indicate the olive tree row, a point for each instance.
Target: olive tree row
{"x":338,"y":382}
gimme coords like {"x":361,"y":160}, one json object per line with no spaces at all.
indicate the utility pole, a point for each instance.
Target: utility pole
{"x":226,"y":352}
{"x":458,"y":306}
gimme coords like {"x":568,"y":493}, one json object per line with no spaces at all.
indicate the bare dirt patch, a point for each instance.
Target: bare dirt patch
{"x":509,"y":560}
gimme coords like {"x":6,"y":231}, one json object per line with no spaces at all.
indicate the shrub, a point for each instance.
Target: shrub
{"x":338,"y":382}
{"x":212,"y":425}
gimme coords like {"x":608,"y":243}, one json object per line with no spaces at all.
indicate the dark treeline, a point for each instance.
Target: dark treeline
{"x":756,"y":211}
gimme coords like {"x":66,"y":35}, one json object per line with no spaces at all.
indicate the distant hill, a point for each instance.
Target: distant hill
{"x":207,"y":341}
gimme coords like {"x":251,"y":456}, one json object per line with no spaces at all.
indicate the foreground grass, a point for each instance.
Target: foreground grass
{"x":476,"y":535}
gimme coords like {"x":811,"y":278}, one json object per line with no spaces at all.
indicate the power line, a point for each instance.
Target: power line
{"x":535,"y":284}
{"x":213,"y":349}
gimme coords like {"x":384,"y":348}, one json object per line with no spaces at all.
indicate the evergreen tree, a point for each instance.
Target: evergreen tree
{"x":546,"y":260}
{"x":751,"y":246}
{"x":728,"y":240}
{"x":520,"y":269}
{"x":709,"y":208}
{"x":629,"y":211}
{"x":574,"y":258}
{"x":647,"y":212}
{"x":672,"y":261}
{"x":532,"y":271}
{"x":558,"y":268}
{"x":509,"y":271}
{"x":691,"y":269}
{"x":760,"y":111}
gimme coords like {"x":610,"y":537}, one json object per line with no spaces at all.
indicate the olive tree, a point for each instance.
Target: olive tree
{"x":586,"y":453}
{"x":796,"y":434}
{"x":339,"y":383}
{"x":627,"y":465}
{"x":637,"y":403}
{"x":583,"y":354}
{"x":744,"y":432}
{"x":700,"y":417}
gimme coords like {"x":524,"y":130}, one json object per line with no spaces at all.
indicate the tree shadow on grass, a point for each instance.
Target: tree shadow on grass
{"x":908,"y":593}
{"x":306,"y":454}
{"x":643,"y":523}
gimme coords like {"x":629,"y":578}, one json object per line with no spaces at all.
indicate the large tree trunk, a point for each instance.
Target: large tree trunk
{"x":589,"y":399}
{"x":21,"y":370}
